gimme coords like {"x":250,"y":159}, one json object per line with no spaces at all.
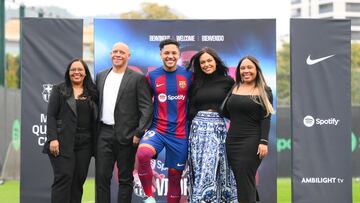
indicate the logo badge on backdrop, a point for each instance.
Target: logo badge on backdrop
{"x":310,"y":61}
{"x":46,"y":92}
{"x":309,"y":121}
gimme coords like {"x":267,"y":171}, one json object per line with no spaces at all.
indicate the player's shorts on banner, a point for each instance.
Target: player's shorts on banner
{"x":176,"y":148}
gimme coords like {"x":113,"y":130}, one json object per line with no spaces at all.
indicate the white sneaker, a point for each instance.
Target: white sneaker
{"x":150,"y":200}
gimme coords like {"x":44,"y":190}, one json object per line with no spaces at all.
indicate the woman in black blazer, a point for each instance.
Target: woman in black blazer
{"x":71,"y":122}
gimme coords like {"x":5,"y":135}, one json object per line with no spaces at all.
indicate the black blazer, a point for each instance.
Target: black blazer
{"x":133,"y":109}
{"x":62,"y":119}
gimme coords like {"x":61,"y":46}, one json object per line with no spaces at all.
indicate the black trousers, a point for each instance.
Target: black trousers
{"x":108,"y":152}
{"x":70,"y":174}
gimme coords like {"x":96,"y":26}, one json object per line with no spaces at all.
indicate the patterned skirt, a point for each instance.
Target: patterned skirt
{"x":210,"y":178}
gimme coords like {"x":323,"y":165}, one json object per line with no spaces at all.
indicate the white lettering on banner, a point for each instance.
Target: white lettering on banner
{"x":185,"y":38}
{"x":309,"y":121}
{"x":43,"y":118}
{"x":330,"y":121}
{"x":40,"y":130}
{"x":42,"y":141}
{"x":161,"y":165}
{"x":158,"y":38}
{"x":213,"y":38}
{"x":162,"y":187}
{"x":322,"y":180}
{"x":138,"y":191}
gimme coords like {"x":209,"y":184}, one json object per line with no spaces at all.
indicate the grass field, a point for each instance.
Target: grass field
{"x":9,"y":192}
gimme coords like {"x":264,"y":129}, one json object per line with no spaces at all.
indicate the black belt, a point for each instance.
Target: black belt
{"x":107,"y":126}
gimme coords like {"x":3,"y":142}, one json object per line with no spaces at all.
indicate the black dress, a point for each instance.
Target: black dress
{"x":248,"y":128}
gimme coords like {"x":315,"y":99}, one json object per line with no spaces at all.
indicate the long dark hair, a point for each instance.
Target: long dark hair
{"x":199,"y":75}
{"x":88,"y":84}
{"x":260,"y":83}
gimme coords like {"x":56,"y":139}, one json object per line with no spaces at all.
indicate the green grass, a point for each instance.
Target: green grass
{"x":356,"y":191}
{"x":9,"y":192}
{"x":89,"y":191}
{"x":284,"y":190}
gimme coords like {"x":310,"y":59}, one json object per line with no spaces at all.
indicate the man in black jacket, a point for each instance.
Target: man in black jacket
{"x":126,"y":110}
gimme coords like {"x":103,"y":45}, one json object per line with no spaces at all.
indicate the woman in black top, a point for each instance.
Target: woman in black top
{"x":71,"y":121}
{"x":211,"y":180}
{"x":250,"y":108}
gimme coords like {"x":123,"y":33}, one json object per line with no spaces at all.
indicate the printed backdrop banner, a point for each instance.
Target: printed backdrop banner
{"x":48,"y":45}
{"x":321,"y":110}
{"x":232,"y":39}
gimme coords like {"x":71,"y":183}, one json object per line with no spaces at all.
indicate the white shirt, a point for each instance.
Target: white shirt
{"x":111,"y":89}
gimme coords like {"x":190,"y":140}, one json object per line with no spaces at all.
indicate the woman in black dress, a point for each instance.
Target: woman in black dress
{"x":249,"y":108}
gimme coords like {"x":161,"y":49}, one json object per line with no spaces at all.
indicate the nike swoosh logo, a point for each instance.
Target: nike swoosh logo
{"x":159,"y":85}
{"x":310,"y":61}
{"x":180,"y":165}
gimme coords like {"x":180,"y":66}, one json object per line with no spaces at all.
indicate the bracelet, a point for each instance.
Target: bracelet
{"x":263,"y":140}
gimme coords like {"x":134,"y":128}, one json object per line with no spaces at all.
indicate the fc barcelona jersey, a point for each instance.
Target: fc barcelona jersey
{"x":170,"y":90}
